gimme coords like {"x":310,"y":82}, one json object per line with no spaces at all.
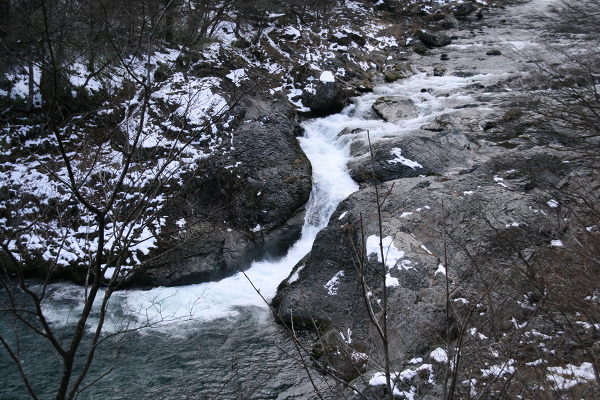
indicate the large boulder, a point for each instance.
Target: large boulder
{"x":328,"y":293}
{"x":395,"y":108}
{"x":243,"y":205}
{"x":413,"y":156}
{"x":434,"y":39}
{"x":328,"y":99}
{"x":465,"y":8}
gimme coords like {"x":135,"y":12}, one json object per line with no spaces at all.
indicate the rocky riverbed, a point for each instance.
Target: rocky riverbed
{"x":465,"y":204}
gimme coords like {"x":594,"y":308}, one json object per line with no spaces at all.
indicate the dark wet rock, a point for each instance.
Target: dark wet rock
{"x":494,"y":52}
{"x":449,"y":22}
{"x":395,"y":108}
{"x":434,"y":39}
{"x":439,"y":71}
{"x":444,"y":57}
{"x":328,"y":99}
{"x":464,"y":9}
{"x":399,"y":71}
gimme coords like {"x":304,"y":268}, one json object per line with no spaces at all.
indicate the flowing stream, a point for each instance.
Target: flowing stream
{"x":217,"y":340}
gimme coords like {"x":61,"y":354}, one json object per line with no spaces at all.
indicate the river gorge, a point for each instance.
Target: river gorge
{"x":434,"y":140}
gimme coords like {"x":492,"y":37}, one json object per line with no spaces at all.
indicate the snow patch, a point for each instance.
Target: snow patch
{"x":552,"y":203}
{"x":296,"y":275}
{"x":391,"y":252}
{"x":237,"y":76}
{"x":440,"y":270}
{"x":500,"y":370}
{"x":257,"y":228}
{"x":401,"y":160}
{"x":333,"y":283}
{"x":439,"y":355}
{"x":327,"y":76}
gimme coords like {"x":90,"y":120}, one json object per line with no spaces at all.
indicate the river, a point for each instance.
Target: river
{"x":219,"y":340}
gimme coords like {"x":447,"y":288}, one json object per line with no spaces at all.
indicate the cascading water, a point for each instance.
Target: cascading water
{"x":217,"y":339}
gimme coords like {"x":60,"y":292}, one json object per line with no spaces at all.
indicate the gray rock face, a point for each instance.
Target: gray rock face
{"x":434,"y":39}
{"x":328,"y":290}
{"x":395,"y":108}
{"x":240,"y":207}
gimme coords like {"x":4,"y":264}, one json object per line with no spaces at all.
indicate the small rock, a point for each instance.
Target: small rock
{"x":438,"y":16}
{"x":395,"y":108}
{"x":398,"y":71}
{"x":299,"y":131}
{"x":494,"y":52}
{"x":440,"y":123}
{"x":420,"y":49}
{"x":364,"y":86}
{"x":340,"y":38}
{"x":439,"y":71}
{"x":359,"y":40}
{"x":390,"y":76}
{"x":450,"y":22}
{"x":444,"y":57}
